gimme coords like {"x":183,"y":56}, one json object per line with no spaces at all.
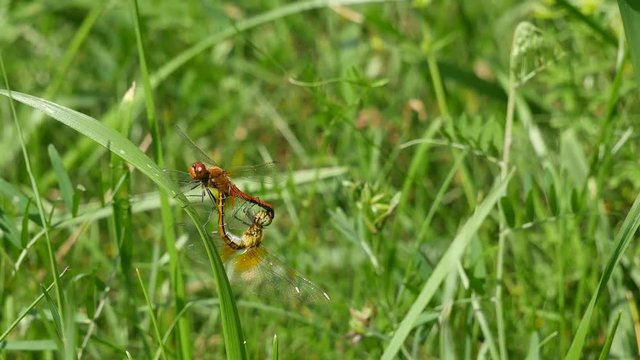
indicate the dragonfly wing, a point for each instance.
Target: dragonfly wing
{"x":263,"y":173}
{"x":178,"y":177}
{"x":200,"y":154}
{"x":260,"y":272}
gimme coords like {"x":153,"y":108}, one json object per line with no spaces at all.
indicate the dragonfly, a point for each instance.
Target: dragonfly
{"x":251,"y":266}
{"x":215,"y":177}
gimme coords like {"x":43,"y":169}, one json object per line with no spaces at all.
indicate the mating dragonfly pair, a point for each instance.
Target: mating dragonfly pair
{"x":246,"y":260}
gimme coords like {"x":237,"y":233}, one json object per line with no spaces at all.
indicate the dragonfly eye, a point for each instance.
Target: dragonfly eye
{"x":196,"y":170}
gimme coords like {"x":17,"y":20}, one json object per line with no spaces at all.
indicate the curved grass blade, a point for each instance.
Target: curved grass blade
{"x":604,"y":354}
{"x":122,"y":147}
{"x":447,"y":263}
{"x":630,"y":13}
{"x":623,"y":239}
{"x":152,"y":316}
{"x":28,"y":309}
{"x":177,"y":285}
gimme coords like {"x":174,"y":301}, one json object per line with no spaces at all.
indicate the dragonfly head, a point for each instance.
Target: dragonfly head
{"x":198,"y":171}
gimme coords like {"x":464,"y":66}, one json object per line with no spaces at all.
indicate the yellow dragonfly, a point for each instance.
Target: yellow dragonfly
{"x":251,"y":266}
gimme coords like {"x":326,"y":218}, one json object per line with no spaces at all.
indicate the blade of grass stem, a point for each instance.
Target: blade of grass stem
{"x":447,"y":263}
{"x":630,"y":13}
{"x":152,"y":316}
{"x":604,"y":354}
{"x":622,"y":241}
{"x":274,"y":347}
{"x":28,"y":309}
{"x":36,"y":193}
{"x":167,"y":218}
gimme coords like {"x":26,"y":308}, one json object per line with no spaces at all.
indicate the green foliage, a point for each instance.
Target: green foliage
{"x":459,"y":177}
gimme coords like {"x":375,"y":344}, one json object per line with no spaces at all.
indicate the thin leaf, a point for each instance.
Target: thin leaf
{"x":36,"y":194}
{"x":9,"y":229}
{"x":27,"y":310}
{"x":29,"y":345}
{"x":24,"y":236}
{"x":630,"y":13}
{"x":508,"y":211}
{"x":19,"y":200}
{"x":66,"y":188}
{"x":55,"y":315}
{"x":447,"y":263}
{"x":152,"y":316}
{"x":534,"y":347}
{"x":604,"y":354}
{"x":623,"y":239}
{"x":274,"y":347}
{"x":167,"y":218}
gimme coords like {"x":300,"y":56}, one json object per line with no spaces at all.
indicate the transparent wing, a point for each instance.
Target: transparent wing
{"x":198,"y":152}
{"x":262,"y":173}
{"x":181,"y":178}
{"x":256,"y":270}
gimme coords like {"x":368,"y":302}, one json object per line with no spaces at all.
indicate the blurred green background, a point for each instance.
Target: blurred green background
{"x":387,"y":121}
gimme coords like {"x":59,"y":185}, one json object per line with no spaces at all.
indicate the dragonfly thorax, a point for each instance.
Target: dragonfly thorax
{"x":218,"y":179}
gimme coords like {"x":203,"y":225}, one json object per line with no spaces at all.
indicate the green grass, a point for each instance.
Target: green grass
{"x":461,"y":178}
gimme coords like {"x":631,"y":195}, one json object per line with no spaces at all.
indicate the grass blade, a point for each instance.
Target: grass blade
{"x":604,"y":354}
{"x":63,"y":178}
{"x":57,"y":321}
{"x":274,"y":348}
{"x":623,"y":239}
{"x":36,"y":193}
{"x":28,"y":345}
{"x":24,"y":230}
{"x":534,"y":347}
{"x":447,"y":264}
{"x":26,"y":311}
{"x":167,"y":218}
{"x":9,"y":230}
{"x":630,"y":12}
{"x":156,"y":329}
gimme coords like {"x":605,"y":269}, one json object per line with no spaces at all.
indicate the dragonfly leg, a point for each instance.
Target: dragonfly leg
{"x":213,"y":202}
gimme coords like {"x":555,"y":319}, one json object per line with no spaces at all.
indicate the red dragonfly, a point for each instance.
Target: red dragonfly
{"x":250,"y":265}
{"x":215,"y":177}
